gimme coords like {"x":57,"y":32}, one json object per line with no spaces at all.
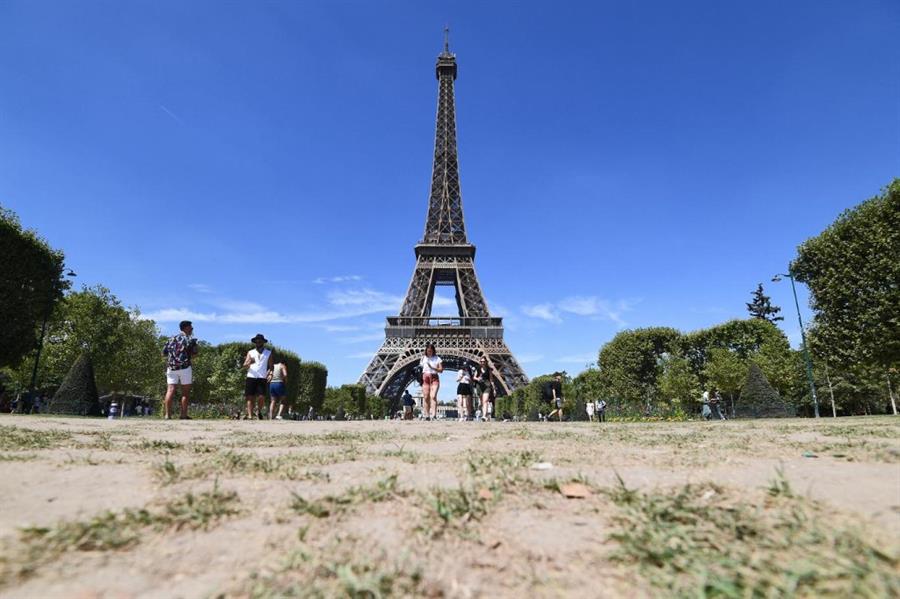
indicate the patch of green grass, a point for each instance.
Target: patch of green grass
{"x":410,"y":457}
{"x":157,"y":445}
{"x":112,"y":531}
{"x":853,"y":450}
{"x":292,"y":466}
{"x":487,"y":478}
{"x":15,"y":438}
{"x":386,"y":489}
{"x":344,"y":568}
{"x":453,"y":509}
{"x":887,"y":430}
{"x":704,"y":541}
{"x":17,"y":457}
{"x":256,"y":439}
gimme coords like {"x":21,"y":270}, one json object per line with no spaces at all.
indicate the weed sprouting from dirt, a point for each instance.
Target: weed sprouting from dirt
{"x":17,"y":457}
{"x":112,"y":531}
{"x":703,"y":541}
{"x":343,"y":568}
{"x":487,"y":478}
{"x":14,"y":438}
{"x":386,"y":489}
{"x":410,"y":457}
{"x":293,"y":466}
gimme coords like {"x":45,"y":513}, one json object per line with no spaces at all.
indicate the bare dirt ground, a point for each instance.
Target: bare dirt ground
{"x":149,"y":508}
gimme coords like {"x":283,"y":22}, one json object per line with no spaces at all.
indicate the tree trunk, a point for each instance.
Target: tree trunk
{"x":831,"y":392}
{"x":731,"y":396}
{"x":891,"y":394}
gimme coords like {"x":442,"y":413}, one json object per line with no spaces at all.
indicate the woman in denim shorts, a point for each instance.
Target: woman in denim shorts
{"x":278,"y":388}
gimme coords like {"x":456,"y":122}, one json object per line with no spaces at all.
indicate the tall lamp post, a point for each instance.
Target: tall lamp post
{"x":809,"y":370}
{"x":37,"y":357}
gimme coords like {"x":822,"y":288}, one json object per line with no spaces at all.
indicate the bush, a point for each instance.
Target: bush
{"x":312,"y":379}
{"x":758,"y":399}
{"x":77,"y":394}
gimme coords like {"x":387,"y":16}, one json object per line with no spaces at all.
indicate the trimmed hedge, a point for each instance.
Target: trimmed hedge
{"x":758,"y":399}
{"x":77,"y":395}
{"x":312,"y":379}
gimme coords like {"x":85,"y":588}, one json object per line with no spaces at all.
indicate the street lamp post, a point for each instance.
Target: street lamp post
{"x":37,"y":357}
{"x":806,"y":356}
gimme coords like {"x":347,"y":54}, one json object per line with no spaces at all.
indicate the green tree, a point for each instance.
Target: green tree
{"x":124,"y":348}
{"x":335,"y":402}
{"x":761,"y":306}
{"x":726,"y":371}
{"x":852,"y":270}
{"x":31,"y":284}
{"x":678,"y":385}
{"x":631,"y":364}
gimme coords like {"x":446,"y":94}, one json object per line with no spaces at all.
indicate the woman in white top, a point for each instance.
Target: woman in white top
{"x":464,"y":392}
{"x":432,"y":366}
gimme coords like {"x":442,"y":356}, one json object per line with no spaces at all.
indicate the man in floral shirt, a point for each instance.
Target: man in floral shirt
{"x":178,"y":352}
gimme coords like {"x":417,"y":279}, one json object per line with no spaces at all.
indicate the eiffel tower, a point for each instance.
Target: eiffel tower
{"x":443,"y":257}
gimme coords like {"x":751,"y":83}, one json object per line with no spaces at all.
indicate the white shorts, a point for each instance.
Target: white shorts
{"x":179,"y":377}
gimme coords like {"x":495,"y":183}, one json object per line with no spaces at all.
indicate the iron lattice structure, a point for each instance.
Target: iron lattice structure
{"x":443,"y":257}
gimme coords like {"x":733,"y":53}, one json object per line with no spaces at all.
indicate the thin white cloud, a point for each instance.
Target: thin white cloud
{"x":585,"y":358}
{"x":362,"y":355}
{"x":171,"y":114}
{"x":200,"y":287}
{"x":363,"y":338}
{"x":338,"y":279}
{"x":341,"y":304}
{"x":529,"y":358}
{"x":441,"y":301}
{"x":340,"y":328}
{"x":580,"y":305}
{"x":543,"y":311}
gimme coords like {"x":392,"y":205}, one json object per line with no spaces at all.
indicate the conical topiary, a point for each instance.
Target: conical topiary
{"x":758,"y":399}
{"x":78,"y":393}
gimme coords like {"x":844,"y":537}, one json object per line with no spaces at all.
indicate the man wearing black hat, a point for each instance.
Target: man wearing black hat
{"x":258,"y":363}
{"x":178,"y":352}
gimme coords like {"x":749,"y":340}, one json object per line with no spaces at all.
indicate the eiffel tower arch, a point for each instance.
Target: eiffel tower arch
{"x":444,"y":257}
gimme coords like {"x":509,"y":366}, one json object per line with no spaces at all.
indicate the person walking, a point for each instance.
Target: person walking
{"x":589,"y":407}
{"x":278,"y":388}
{"x":706,"y":411}
{"x":601,"y":410}
{"x":258,"y":363}
{"x":556,"y":396}
{"x":464,"y":392}
{"x":715,"y":403}
{"x":432,"y":367}
{"x":179,"y":351}
{"x":408,"y":404}
{"x":484,"y":383}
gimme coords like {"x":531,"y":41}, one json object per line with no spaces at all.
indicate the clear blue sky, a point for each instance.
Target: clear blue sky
{"x":264,"y":166}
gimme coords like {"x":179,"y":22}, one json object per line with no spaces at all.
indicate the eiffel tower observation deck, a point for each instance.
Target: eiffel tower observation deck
{"x":444,"y":257}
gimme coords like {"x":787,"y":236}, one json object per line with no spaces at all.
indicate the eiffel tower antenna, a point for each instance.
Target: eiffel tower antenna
{"x":444,"y":257}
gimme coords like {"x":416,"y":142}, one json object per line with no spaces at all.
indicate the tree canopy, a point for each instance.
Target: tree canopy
{"x":31,"y":283}
{"x":852,"y":270}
